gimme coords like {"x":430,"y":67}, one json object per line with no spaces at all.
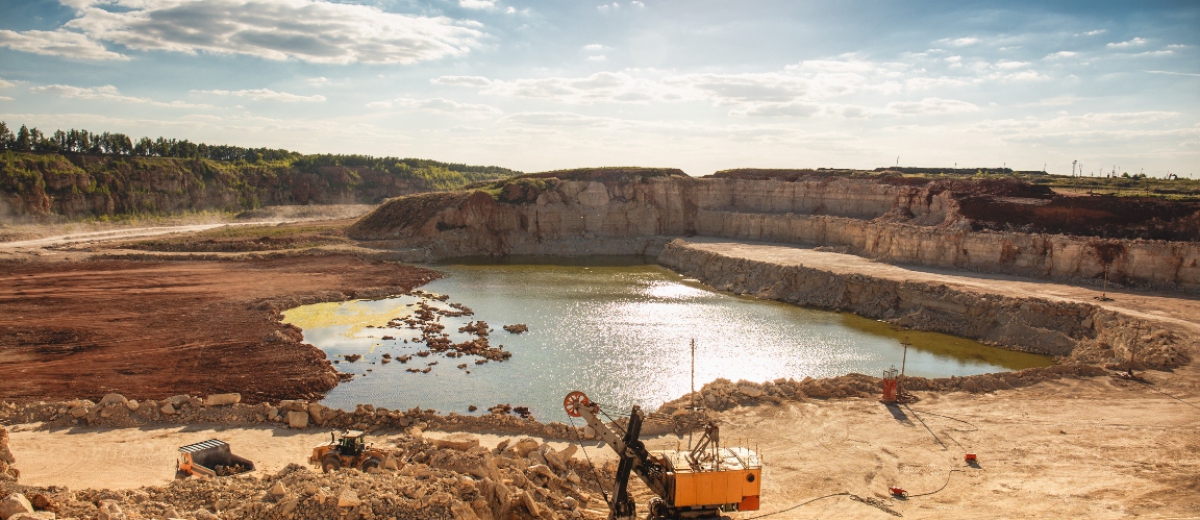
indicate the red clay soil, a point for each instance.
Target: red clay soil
{"x":154,"y":329}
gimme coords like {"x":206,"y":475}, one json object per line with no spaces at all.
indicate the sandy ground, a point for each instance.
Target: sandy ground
{"x":1100,"y":448}
{"x":127,"y":458}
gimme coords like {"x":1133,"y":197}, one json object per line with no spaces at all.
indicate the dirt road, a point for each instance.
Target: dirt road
{"x":152,"y":329}
{"x":121,"y":234}
{"x":1180,"y":309}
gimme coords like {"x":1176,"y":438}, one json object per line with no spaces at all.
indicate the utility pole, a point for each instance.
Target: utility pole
{"x":693,"y":374}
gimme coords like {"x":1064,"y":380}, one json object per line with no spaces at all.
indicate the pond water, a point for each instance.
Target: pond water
{"x":618,"y":329}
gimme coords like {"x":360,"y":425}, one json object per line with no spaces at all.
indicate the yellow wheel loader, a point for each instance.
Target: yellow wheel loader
{"x":350,"y":451}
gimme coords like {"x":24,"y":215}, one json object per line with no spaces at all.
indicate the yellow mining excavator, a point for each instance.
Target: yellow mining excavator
{"x":350,"y":451}
{"x":702,"y":482}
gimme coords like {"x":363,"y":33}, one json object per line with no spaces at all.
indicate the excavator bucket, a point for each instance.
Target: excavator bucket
{"x":211,"y":458}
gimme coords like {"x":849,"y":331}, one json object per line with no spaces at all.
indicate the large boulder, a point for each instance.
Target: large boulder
{"x":297,"y":419}
{"x":112,"y":399}
{"x":223,"y":399}
{"x":13,"y":505}
{"x":317,"y":412}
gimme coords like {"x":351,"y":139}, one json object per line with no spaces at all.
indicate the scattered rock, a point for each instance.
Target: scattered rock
{"x":297,"y":419}
{"x":278,"y":489}
{"x":222,"y":399}
{"x":112,"y":399}
{"x":517,"y":329}
{"x":14,"y":504}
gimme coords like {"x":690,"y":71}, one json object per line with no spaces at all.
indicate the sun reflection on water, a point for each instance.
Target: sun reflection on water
{"x":621,"y":333}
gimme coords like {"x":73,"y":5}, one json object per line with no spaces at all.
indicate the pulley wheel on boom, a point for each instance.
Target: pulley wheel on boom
{"x":702,"y":482}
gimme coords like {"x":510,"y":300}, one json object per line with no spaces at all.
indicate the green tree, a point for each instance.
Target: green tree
{"x":22,"y":143}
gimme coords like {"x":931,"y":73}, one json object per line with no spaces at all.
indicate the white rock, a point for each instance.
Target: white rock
{"x":297,"y":419}
{"x":14,"y":504}
{"x":109,"y":510}
{"x":223,"y":399}
{"x":348,"y":498}
{"x":113,"y":399}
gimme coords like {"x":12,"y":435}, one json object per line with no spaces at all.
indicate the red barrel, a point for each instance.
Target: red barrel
{"x":889,"y":390}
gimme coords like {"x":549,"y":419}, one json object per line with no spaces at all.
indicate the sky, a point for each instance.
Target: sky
{"x":702,"y":85}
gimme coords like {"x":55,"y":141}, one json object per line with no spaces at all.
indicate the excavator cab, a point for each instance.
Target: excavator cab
{"x":351,"y":444}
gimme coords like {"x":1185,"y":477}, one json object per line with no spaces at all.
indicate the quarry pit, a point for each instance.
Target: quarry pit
{"x":997,"y":261}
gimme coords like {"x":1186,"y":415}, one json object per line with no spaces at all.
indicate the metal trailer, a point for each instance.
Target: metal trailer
{"x":211,"y":458}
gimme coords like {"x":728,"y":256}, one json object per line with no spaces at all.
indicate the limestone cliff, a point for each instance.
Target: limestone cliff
{"x":892,"y":219}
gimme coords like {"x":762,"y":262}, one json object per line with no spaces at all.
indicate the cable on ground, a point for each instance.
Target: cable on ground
{"x":844,"y":493}
{"x":1151,"y":387}
{"x":947,"y":483}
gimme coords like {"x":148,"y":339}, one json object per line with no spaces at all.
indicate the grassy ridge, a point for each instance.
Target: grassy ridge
{"x":34,"y":184}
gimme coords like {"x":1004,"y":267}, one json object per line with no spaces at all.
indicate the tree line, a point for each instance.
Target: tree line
{"x":111,"y":143}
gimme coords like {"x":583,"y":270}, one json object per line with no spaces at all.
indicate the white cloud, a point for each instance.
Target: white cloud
{"x":1155,"y":53}
{"x":1172,"y":73}
{"x":477,"y":4}
{"x":636,"y":3}
{"x":959,"y":42}
{"x":1061,"y":54}
{"x":791,"y":109}
{"x":57,"y":43}
{"x":930,"y":106}
{"x":594,"y":47}
{"x":557,"y":119}
{"x":441,"y":106}
{"x":6,"y":98}
{"x":265,"y":94}
{"x":1096,"y":32}
{"x":606,"y":7}
{"x":462,"y":81}
{"x":1178,"y":46}
{"x":6,"y":84}
{"x":319,"y":81}
{"x":601,"y":86}
{"x":511,"y":10}
{"x":750,"y":94}
{"x":306,"y":30}
{"x":1025,"y":75}
{"x":1058,"y":101}
{"x":1008,"y":65}
{"x":1136,"y":42}
{"x":599,"y":57}
{"x":107,"y":93}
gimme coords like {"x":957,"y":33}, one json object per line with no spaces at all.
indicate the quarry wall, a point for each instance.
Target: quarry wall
{"x":888,"y":222}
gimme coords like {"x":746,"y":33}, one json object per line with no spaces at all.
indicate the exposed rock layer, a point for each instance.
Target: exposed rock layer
{"x":886,"y":221}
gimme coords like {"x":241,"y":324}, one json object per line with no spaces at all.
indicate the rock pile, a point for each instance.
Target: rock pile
{"x":724,"y":394}
{"x":227,"y":409}
{"x":441,"y":479}
{"x":517,"y":329}
{"x":7,"y":471}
